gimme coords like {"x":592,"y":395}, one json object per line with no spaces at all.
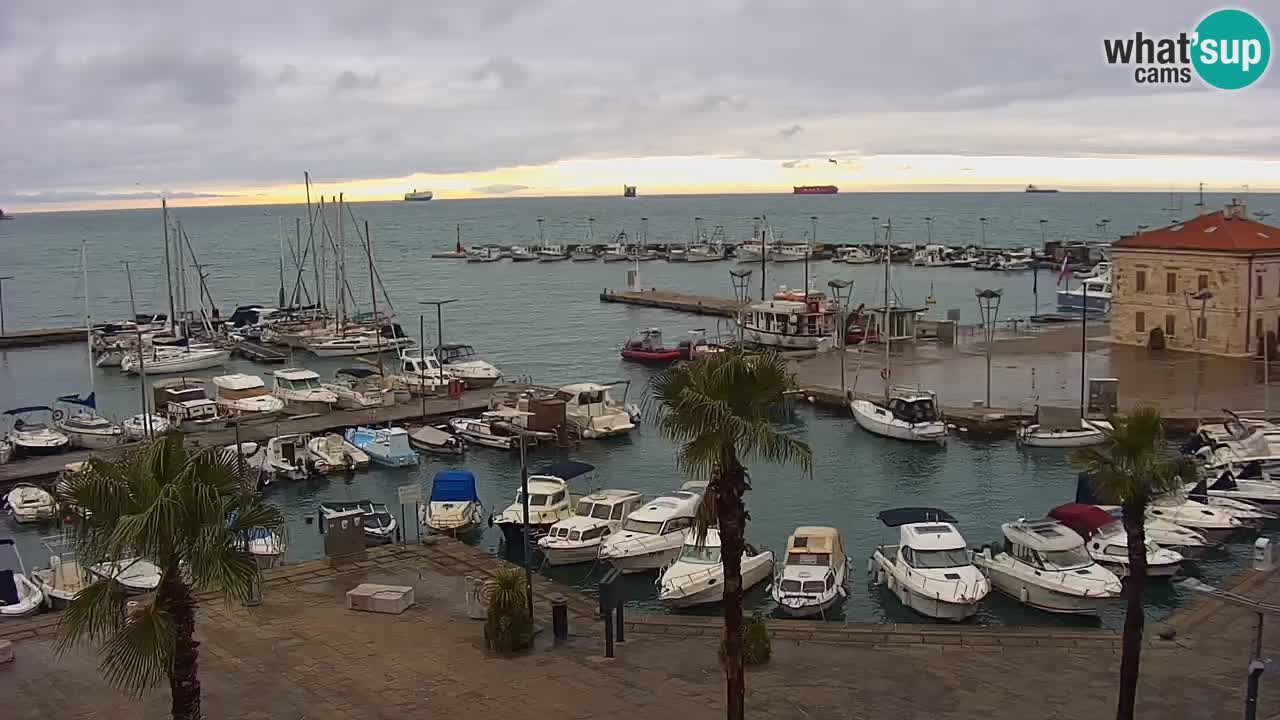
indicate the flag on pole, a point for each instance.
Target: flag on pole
{"x":1066,"y":270}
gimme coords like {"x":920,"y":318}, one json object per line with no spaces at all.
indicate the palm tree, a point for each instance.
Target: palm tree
{"x":718,"y":410}
{"x":189,"y":512}
{"x":1133,"y":467}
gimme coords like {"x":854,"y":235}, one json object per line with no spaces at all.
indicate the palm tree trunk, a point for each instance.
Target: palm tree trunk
{"x":1135,"y":585}
{"x":731,"y":515}
{"x":184,"y":683}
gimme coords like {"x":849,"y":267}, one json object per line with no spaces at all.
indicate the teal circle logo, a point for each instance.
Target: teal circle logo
{"x":1232,"y":49}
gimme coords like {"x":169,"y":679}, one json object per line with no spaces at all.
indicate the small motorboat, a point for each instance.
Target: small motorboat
{"x":28,"y":503}
{"x":135,"y":574}
{"x":6,"y":450}
{"x":1044,"y":564}
{"x":19,"y":596}
{"x":83,"y":426}
{"x":484,"y":254}
{"x":651,"y":537}
{"x":594,"y":411}
{"x":137,"y":427}
{"x":482,"y":432}
{"x":332,"y":453}
{"x":461,"y":362}
{"x":929,"y":570}
{"x":577,"y":539}
{"x":384,"y":446}
{"x":1244,"y":510}
{"x":583,"y":254}
{"x":549,"y":502}
{"x":266,"y":546}
{"x":520,"y":253}
{"x":1108,"y":544}
{"x":359,"y":389}
{"x":552,"y":253}
{"x":813,"y":574}
{"x":454,"y":507}
{"x":301,"y":391}
{"x":287,"y":457}
{"x":856,"y":255}
{"x":645,"y":346}
{"x":31,"y":435}
{"x":437,"y":442}
{"x":1062,"y":428}
{"x":697,"y":575}
{"x":378,"y":522}
{"x":64,"y":578}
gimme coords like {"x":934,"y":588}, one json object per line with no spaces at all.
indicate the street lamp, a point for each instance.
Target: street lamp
{"x":422,"y":347}
{"x":1204,"y":296}
{"x":928,"y":229}
{"x":989,"y":309}
{"x":1256,"y":664}
{"x":983,"y":223}
{"x":842,"y":301}
{"x":512,"y":414}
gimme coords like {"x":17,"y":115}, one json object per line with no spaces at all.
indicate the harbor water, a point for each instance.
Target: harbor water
{"x":542,"y":320}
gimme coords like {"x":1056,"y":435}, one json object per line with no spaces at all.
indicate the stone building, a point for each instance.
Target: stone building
{"x":1210,"y":284}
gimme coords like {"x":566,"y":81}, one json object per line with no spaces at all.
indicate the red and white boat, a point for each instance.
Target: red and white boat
{"x":645,"y":346}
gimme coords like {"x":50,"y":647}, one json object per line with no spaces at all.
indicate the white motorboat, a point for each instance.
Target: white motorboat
{"x":1244,"y":510}
{"x":549,"y":502}
{"x":1054,"y":431}
{"x":377,"y":521}
{"x":384,"y":445}
{"x":789,"y":253}
{"x":85,"y":428}
{"x":577,"y":539}
{"x":1093,"y":296}
{"x":140,"y":426}
{"x":436,"y":441}
{"x":813,"y":574}
{"x":419,"y":374}
{"x":64,"y":578}
{"x":790,"y":325}
{"x":245,"y":396}
{"x":1108,"y":544}
{"x":703,"y":252}
{"x":483,"y":433}
{"x":461,"y":361}
{"x":167,"y":360}
{"x":332,"y":453}
{"x":750,"y":252}
{"x":287,"y":457}
{"x":697,"y":575}
{"x":1044,"y":564}
{"x":615,"y":252}
{"x":266,"y":546}
{"x":583,"y":254}
{"x":28,"y":503}
{"x":907,"y":414}
{"x":134,"y":574}
{"x":31,"y":436}
{"x":931,"y":256}
{"x":652,"y":536}
{"x":856,"y":255}
{"x":359,"y":389}
{"x":595,"y":412}
{"x":520,"y":253}
{"x":19,"y":596}
{"x":1198,"y":531}
{"x":552,"y":253}
{"x":361,"y":343}
{"x":301,"y":391}
{"x":929,"y":570}
{"x":1213,"y":523}
{"x":454,"y":506}
{"x":484,"y":254}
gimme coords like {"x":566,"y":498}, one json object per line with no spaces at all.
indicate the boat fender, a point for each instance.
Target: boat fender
{"x":885,"y":373}
{"x":871,"y":566}
{"x":1023,"y":595}
{"x":880,"y":577}
{"x":58,"y":415}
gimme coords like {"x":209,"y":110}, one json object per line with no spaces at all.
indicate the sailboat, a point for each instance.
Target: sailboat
{"x":82,"y":424}
{"x":904,"y":413}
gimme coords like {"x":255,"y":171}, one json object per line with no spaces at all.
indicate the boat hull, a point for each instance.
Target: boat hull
{"x":26,"y":449}
{"x":92,"y":440}
{"x":810,"y":609}
{"x":756,"y":336}
{"x":648,"y":357}
{"x":513,"y":533}
{"x":570,"y":555}
{"x":877,"y":420}
{"x":203,"y":361}
{"x":754,"y":572}
{"x":1044,"y":598}
{"x":648,"y":562}
{"x":1032,"y":436}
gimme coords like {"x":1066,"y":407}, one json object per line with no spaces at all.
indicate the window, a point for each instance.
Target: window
{"x":1202,"y":327}
{"x":907,"y":555}
{"x":1171,"y":283}
{"x":677,"y":525}
{"x":584,"y":508}
{"x":695,"y":554}
{"x":1140,"y":322}
{"x":557,"y":498}
{"x":1257,"y":286}
{"x":1202,"y":282}
{"x":1140,"y":281}
{"x":642,"y":527}
{"x":617,"y":511}
{"x":1072,"y":559}
{"x":1170,"y":322}
{"x":601,"y":512}
{"x":938,"y":559}
{"x":831,"y":581}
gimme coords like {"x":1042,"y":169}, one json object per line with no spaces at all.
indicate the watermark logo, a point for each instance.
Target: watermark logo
{"x":1229,"y":49}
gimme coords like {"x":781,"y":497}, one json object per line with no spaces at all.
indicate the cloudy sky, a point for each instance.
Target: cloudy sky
{"x":229,"y":101}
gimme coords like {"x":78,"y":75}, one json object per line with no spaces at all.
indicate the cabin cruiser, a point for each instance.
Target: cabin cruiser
{"x":265,"y":546}
{"x":552,"y":253}
{"x":583,"y":253}
{"x":183,"y":403}
{"x":134,"y":574}
{"x":596,"y":414}
{"x":1044,"y":564}
{"x":287,"y":457}
{"x":385,"y":446}
{"x":813,"y":574}
{"x":751,"y":251}
{"x":484,"y":254}
{"x":162,"y":360}
{"x":144,"y":425}
{"x":905,"y":414}
{"x":419,"y":374}
{"x":461,"y":361}
{"x":1093,"y":296}
{"x":28,"y":503}
{"x":1247,"y":512}
{"x":437,"y":441}
{"x":31,"y":436}
{"x":790,"y":324}
{"x":1173,"y":520}
{"x":652,"y":536}
{"x":359,"y":389}
{"x":301,"y":391}
{"x":697,"y":575}
{"x":362,"y":343}
{"x":64,"y":578}
{"x":1108,"y":543}
{"x":929,"y":570}
{"x":245,"y":396}
{"x":19,"y":596}
{"x":520,"y":253}
{"x":577,"y":539}
{"x":332,"y":453}
{"x":549,"y":502}
{"x":454,"y":507}
{"x":1251,"y":483}
{"x":378,"y":522}
{"x":932,"y":256}
{"x":855,"y":255}
{"x":615,"y":252}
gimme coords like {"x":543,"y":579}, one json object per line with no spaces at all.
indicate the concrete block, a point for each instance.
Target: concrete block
{"x":6,"y":652}
{"x":372,"y":597}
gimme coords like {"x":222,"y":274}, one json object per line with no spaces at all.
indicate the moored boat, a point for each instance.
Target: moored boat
{"x":813,"y":575}
{"x":645,"y":346}
{"x":437,"y":442}
{"x":454,"y":506}
{"x":245,"y":396}
{"x":384,"y":446}
{"x":27,"y":503}
{"x":31,"y":436}
{"x":549,"y":501}
{"x":652,"y":536}
{"x":1044,"y":564}
{"x":377,"y":522}
{"x":577,"y":539}
{"x":697,"y":575}
{"x":19,"y":596}
{"x":929,"y":570}
{"x":302,"y":392}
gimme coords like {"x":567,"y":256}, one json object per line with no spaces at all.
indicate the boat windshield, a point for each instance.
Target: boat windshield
{"x":938,"y":559}
{"x":1072,"y":559}
{"x":534,"y":499}
{"x":702,"y":555}
{"x":305,"y":384}
{"x":584,"y":509}
{"x":642,"y":527}
{"x":816,"y":559}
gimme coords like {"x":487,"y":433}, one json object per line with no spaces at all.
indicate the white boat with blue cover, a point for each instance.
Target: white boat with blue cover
{"x":384,"y":446}
{"x":1093,"y":294}
{"x":454,"y":507}
{"x":19,"y":596}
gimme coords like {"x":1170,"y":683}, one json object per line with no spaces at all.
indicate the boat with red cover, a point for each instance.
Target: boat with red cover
{"x":645,"y":346}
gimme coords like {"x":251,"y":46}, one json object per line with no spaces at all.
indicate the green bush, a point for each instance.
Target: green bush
{"x":756,"y":645}
{"x":508,"y":628}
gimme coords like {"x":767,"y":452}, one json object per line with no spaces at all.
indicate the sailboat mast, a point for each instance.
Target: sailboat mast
{"x":341,"y":268}
{"x":324,"y":254}
{"x":888,"y":226}
{"x":373,"y":292}
{"x":142,"y":362}
{"x":168,"y":268}
{"x":88,"y":321}
{"x":280,"y":239}
{"x":1084,"y":339}
{"x":182,"y":281}
{"x":311,"y":238}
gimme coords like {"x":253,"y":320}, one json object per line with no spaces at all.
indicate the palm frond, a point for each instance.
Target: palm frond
{"x":92,"y":616}
{"x":140,"y":652}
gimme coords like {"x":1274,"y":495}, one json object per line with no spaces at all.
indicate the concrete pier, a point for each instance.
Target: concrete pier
{"x":680,"y":302}
{"x":37,"y":338}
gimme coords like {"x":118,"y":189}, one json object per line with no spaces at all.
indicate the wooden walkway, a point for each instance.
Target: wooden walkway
{"x":36,"y":338}
{"x":680,"y":302}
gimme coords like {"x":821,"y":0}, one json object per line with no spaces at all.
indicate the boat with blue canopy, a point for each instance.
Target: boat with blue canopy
{"x":454,"y":507}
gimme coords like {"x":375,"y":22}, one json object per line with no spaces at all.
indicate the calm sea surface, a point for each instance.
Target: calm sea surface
{"x":544,"y":321}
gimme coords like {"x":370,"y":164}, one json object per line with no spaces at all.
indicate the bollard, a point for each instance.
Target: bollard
{"x":560,"y":618}
{"x":608,"y":637}
{"x":617,"y":609}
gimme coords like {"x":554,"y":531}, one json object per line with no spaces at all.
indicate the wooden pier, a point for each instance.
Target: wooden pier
{"x":260,"y":352}
{"x":37,"y":338}
{"x":680,"y":302}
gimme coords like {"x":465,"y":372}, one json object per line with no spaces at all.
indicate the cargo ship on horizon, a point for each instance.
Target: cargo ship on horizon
{"x":814,"y":189}
{"x":418,"y":195}
{"x":1034,"y":189}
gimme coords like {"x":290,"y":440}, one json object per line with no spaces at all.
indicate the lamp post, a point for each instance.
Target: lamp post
{"x":989,"y":309}
{"x":842,"y":302}
{"x":875,"y":232}
{"x":1204,"y":296}
{"x":422,"y":348}
{"x":982,"y":223}
{"x":2,"y":279}
{"x":928,"y":229}
{"x":1256,"y":663}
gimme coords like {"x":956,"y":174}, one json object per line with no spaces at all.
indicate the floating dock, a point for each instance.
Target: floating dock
{"x":680,"y":302}
{"x":260,"y":353}
{"x":37,"y":338}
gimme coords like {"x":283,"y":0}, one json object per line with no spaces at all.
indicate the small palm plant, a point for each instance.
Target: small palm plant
{"x":188,"y":512}
{"x":508,"y":628}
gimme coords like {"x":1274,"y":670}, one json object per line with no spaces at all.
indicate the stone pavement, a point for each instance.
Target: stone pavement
{"x":302,"y":654}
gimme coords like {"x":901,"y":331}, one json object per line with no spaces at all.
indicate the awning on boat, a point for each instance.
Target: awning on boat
{"x":89,"y":401}
{"x":566,"y":469}
{"x":32,"y":408}
{"x":454,"y":486}
{"x":908,"y":515}
{"x":1084,"y":519}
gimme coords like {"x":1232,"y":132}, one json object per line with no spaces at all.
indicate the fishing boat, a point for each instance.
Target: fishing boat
{"x":420,"y":373}
{"x":169,"y":360}
{"x":697,"y":575}
{"x":359,"y":388}
{"x":549,"y":501}
{"x":64,"y":578}
{"x":302,"y":392}
{"x":856,"y":255}
{"x":1044,"y":564}
{"x":83,"y":426}
{"x":332,"y":453}
{"x":750,"y":252}
{"x":596,"y":413}
{"x":384,"y":446}
{"x":617,"y":250}
{"x":378,"y":523}
{"x":31,"y":436}
{"x":454,"y":507}
{"x":1093,"y":295}
{"x":484,"y":254}
{"x":19,"y":596}
{"x":813,"y":574}
{"x":552,"y":253}
{"x":1108,"y":543}
{"x":645,"y":346}
{"x":583,"y":253}
{"x":134,"y":574}
{"x":461,"y":361}
{"x":435,"y":441}
{"x":789,"y":252}
{"x":521,"y":253}
{"x":652,"y":536}
{"x":27,"y":503}
{"x":929,"y":570}
{"x":790,"y":325}
{"x":245,"y":396}
{"x":577,"y":539}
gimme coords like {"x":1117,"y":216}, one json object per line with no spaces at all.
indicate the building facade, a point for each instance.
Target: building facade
{"x":1210,"y":284}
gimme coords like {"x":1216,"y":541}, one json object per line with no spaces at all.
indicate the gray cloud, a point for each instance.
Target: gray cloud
{"x":63,"y":196}
{"x":791,"y":131}
{"x":509,"y":74}
{"x":349,"y":81}
{"x":499,"y":189}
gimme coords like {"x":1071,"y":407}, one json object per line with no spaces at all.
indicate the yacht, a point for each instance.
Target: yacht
{"x":31,"y":436}
{"x":363,"y":343}
{"x":301,"y":391}
{"x":378,"y":522}
{"x":549,"y":502}
{"x":577,"y":539}
{"x":790,"y":325}
{"x":245,"y":396}
{"x":596,"y":413}
{"x":461,"y":362}
{"x":454,"y":507}
{"x":168,"y":360}
{"x":20,"y":596}
{"x":385,"y":446}
{"x":697,"y":575}
{"x":359,"y":388}
{"x":813,"y":574}
{"x":906,"y":414}
{"x":1246,"y":511}
{"x":27,"y":503}
{"x":332,"y":453}
{"x":652,"y":536}
{"x":520,"y":253}
{"x":1108,"y":544}
{"x":1077,"y":432}
{"x":929,"y":570}
{"x":1044,"y":564}
{"x":136,"y":575}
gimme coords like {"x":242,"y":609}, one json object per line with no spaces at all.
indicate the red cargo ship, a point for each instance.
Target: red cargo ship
{"x":815,"y":189}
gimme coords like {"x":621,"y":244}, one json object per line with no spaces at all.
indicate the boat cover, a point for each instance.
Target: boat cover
{"x":33,"y":408}
{"x":566,"y":469}
{"x":908,"y":515}
{"x":1084,"y":519}
{"x":454,"y":486}
{"x":1224,"y":482}
{"x":89,"y":401}
{"x":1200,"y":493}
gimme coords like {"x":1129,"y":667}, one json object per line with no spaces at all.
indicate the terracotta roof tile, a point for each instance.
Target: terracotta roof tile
{"x":1211,"y":232}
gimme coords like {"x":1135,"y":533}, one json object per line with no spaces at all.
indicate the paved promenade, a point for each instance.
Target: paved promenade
{"x":301,"y":654}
